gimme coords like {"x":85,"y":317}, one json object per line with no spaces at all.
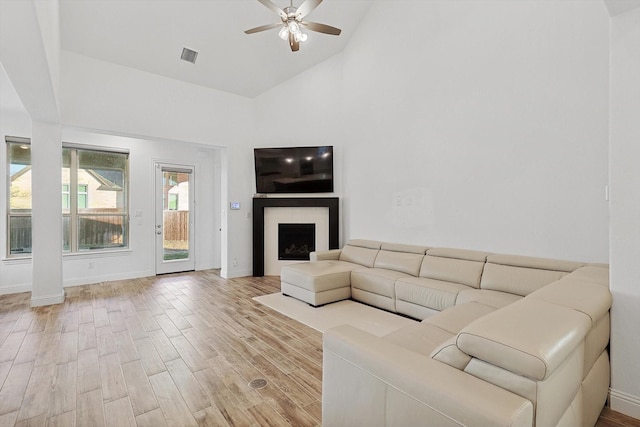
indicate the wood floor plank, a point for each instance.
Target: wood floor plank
{"x":126,"y":347}
{"x":106,"y":341}
{"x":63,"y":390}
{"x":113,"y":385}
{"x":153,"y":418}
{"x":90,"y":410}
{"x":37,"y":393}
{"x":85,"y":314}
{"x":194,"y":396}
{"x":29,"y":348}
{"x":67,"y":347}
{"x":68,"y":419}
{"x":14,"y":387}
{"x":87,"y":336}
{"x":118,"y":413}
{"x":9,"y":349}
{"x":88,"y":371}
{"x":139,"y":389}
{"x":174,"y":408}
{"x":149,"y":357}
{"x":163,"y":346}
{"x":8,"y":420}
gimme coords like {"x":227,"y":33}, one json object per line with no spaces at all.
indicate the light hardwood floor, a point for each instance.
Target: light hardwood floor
{"x":175,"y":350}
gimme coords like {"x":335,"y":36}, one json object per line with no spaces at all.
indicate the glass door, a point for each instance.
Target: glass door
{"x":175,"y":225}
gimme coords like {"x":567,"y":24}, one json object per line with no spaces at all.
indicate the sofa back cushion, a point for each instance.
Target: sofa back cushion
{"x":454,"y":265}
{"x":403,"y":258}
{"x":363,"y":252}
{"x":522,"y":275}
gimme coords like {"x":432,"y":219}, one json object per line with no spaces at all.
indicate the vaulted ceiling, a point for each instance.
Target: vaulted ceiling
{"x":149,"y":35}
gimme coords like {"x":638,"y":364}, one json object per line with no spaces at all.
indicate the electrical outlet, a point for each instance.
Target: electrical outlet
{"x":235,"y":262}
{"x":91,"y":265}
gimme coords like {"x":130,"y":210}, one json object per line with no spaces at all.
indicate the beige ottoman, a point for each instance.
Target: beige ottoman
{"x":317,"y":283}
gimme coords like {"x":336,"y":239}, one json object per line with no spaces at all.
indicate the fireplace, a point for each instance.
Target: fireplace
{"x":296,"y":241}
{"x":262,"y":204}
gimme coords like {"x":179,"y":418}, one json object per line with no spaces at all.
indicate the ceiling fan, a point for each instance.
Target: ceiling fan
{"x":293,"y":21}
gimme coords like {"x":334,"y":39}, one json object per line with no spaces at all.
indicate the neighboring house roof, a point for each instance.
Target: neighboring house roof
{"x":109,"y":180}
{"x":20,"y":173}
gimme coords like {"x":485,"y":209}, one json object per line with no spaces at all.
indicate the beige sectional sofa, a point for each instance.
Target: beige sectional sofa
{"x":502,"y":340}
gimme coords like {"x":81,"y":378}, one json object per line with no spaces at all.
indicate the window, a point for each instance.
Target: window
{"x":96,"y":216}
{"x":19,"y":227}
{"x":82,"y":196}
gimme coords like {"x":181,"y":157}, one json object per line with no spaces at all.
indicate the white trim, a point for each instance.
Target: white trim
{"x":624,"y":403}
{"x":241,"y":273}
{"x":107,"y":278}
{"x":15,"y":289}
{"x":47,"y":300}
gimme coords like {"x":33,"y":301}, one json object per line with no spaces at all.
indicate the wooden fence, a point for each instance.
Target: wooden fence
{"x":176,"y":225}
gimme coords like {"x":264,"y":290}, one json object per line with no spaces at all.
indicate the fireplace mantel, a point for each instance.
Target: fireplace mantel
{"x":260,"y":203}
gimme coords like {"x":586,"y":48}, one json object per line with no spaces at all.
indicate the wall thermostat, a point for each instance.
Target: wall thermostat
{"x":235,"y":206}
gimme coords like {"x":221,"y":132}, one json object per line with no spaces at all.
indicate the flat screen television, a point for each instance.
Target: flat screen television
{"x":294,"y":169}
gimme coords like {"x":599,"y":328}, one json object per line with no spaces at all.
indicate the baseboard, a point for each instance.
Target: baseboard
{"x":226,"y":274}
{"x":624,"y":403}
{"x":15,"y":289}
{"x":107,"y":278}
{"x":47,"y":299}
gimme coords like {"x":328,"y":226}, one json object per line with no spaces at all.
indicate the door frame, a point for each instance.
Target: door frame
{"x":172,"y":266}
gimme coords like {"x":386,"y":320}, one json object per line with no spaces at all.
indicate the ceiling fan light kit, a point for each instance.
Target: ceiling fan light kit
{"x":292,"y":22}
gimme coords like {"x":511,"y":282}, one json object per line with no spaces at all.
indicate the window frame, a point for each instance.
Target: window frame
{"x":74,"y":217}
{"x":74,"y":210}
{"x":9,"y":140}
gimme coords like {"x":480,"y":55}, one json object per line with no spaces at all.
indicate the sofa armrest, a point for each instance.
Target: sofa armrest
{"x":370,"y":381}
{"x":531,"y":338}
{"x":330,"y":255}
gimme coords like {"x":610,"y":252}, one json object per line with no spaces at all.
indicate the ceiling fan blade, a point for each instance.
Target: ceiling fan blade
{"x":271,"y":5}
{"x":306,"y":7}
{"x":295,"y":46}
{"x":263,"y":28}
{"x":322,"y":28}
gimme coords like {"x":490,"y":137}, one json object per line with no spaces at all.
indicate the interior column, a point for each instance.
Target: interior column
{"x":46,"y":220}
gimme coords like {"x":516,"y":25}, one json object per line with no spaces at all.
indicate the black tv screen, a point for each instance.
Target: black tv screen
{"x":294,"y":169}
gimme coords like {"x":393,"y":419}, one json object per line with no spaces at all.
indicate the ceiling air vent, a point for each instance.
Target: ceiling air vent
{"x":189,"y":55}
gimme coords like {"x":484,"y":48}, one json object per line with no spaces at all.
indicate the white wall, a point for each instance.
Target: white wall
{"x":480,"y":125}
{"x":140,"y":260}
{"x":624,"y":167}
{"x":118,"y":100}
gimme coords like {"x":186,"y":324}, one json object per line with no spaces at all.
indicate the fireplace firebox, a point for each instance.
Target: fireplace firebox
{"x":296,"y":241}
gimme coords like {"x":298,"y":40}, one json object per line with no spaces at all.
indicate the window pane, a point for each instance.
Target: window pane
{"x":20,"y":172}
{"x":19,"y":235}
{"x":66,"y":233}
{"x":103,"y":176}
{"x":101,"y":232}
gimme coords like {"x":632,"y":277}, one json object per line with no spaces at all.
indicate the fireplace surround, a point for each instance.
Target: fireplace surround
{"x":259,"y":205}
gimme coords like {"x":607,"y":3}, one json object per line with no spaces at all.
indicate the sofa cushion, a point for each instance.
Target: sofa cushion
{"x":452,"y":270}
{"x":591,"y":299}
{"x":363,"y":252}
{"x":454,"y":319}
{"x":522,"y":275}
{"x":400,"y":247}
{"x":495,"y":299}
{"x":319,"y":276}
{"x":405,"y":262}
{"x":376,"y":280}
{"x":434,"y":294}
{"x":524,"y":337}
{"x":422,"y":338}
